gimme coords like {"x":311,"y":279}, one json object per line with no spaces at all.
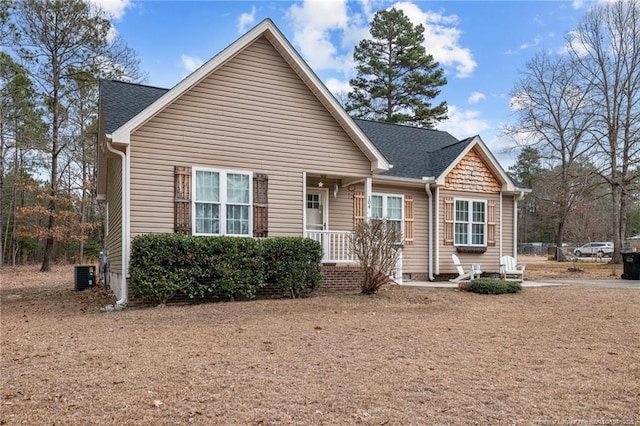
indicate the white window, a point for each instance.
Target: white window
{"x":222,"y":202}
{"x":470,"y":223}
{"x":384,"y":206}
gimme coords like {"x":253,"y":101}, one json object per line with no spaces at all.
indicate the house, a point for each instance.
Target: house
{"x":253,"y":144}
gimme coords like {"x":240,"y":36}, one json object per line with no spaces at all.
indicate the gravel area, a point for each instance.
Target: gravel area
{"x":553,"y":355}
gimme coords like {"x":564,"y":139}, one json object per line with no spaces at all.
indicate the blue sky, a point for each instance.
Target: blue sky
{"x":481,"y":45}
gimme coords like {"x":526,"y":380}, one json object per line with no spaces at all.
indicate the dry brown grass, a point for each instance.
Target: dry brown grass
{"x":561,"y":355}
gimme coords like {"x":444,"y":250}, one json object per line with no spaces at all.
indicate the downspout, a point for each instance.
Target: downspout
{"x":427,"y":188}
{"x":124,"y":226}
{"x":437,"y":214}
{"x":501,"y":227}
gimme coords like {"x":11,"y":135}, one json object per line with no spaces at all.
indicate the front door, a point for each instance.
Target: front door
{"x":317,"y":210}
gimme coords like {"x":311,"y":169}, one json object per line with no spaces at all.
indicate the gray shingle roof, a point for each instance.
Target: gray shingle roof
{"x":122,"y":101}
{"x":414,"y":152}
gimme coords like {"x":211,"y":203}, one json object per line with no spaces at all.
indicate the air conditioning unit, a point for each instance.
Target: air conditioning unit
{"x":85,"y":276}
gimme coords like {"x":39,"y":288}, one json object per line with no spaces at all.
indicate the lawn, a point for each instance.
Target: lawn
{"x":553,"y":355}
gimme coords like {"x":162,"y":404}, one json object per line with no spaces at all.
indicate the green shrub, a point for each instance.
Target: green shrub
{"x":163,"y":265}
{"x":492,"y":286}
{"x":293,"y":264}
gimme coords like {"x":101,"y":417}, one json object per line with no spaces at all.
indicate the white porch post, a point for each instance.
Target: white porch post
{"x":367,"y":198}
{"x":304,"y":204}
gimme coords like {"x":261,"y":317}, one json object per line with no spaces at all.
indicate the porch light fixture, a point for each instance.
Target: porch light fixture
{"x":335,"y":190}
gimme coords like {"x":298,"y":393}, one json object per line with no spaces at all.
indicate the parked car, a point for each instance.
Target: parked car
{"x":594,"y":249}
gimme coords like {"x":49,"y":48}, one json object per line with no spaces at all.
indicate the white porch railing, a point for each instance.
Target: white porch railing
{"x":336,"y":245}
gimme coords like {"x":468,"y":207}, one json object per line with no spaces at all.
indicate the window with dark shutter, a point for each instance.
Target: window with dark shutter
{"x":260,"y":205}
{"x":182,"y":200}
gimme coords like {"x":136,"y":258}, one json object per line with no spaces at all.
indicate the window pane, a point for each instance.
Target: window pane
{"x":207,"y":186}
{"x":238,"y":220}
{"x":237,"y":188}
{"x":207,"y":218}
{"x":462,"y":211}
{"x":461,"y":236}
{"x":376,"y":206}
{"x":313,"y":201}
{"x":478,"y":211}
{"x":477,"y":234}
{"x":394,"y":208}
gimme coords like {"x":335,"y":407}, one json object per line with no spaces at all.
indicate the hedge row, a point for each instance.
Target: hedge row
{"x":163,"y":265}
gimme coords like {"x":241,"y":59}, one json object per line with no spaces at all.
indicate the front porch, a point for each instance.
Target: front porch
{"x":332,"y":206}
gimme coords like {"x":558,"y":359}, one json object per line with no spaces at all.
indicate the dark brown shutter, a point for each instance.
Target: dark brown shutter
{"x":408,"y":220}
{"x":491,"y":223}
{"x":260,"y":205}
{"x":358,"y":208}
{"x":182,"y":200}
{"x":448,"y":221}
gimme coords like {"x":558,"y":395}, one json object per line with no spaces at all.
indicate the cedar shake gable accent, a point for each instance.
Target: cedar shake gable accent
{"x":472,"y":174}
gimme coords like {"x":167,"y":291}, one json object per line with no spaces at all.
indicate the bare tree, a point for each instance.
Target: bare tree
{"x":374,"y":246}
{"x":66,"y":45}
{"x":552,"y":103}
{"x":606,"y":50}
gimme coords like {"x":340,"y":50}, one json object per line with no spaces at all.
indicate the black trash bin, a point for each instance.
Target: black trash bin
{"x":85,"y":276}
{"x":631,"y":262}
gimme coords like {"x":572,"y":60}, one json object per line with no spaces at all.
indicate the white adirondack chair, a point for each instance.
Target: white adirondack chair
{"x":510,"y":270}
{"x":473,"y":272}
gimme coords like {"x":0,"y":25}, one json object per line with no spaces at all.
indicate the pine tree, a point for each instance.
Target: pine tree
{"x":396,"y":78}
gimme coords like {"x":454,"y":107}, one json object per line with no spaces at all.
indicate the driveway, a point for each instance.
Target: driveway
{"x":546,"y":283}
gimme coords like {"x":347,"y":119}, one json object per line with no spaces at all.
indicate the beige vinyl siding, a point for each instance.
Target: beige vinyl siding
{"x":114,"y":219}
{"x":414,"y":257}
{"x":489,"y":260}
{"x":252,"y":114}
{"x":507,"y":225}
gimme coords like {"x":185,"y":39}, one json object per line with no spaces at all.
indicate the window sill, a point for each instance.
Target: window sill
{"x":471,"y":249}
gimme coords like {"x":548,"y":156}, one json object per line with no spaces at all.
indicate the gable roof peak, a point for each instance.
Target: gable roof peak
{"x":266,"y":28}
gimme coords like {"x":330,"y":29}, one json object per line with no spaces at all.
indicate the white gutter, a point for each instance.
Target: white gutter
{"x":427,"y":188}
{"x":122,"y":303}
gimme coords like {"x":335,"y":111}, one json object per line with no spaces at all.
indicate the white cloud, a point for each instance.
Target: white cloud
{"x":336,"y":86}
{"x":190,"y":63}
{"x":442,"y":38}
{"x":313,"y":24}
{"x":246,"y":20}
{"x":575,"y":44}
{"x":463,"y":123}
{"x":577,"y":4}
{"x":114,"y":8}
{"x":476,"y":97}
{"x":526,"y":45}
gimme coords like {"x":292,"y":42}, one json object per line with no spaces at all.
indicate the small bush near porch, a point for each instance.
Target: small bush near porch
{"x":375,"y":248}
